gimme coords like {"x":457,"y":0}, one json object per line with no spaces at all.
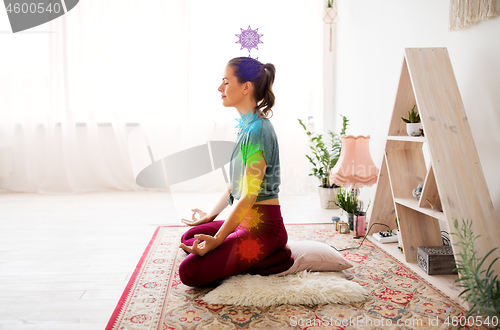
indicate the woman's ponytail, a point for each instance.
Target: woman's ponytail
{"x":265,"y":91}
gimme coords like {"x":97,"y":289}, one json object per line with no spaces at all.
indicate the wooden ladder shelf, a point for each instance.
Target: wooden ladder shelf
{"x":454,"y":183}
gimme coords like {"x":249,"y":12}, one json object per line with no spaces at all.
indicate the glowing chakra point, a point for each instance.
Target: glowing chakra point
{"x":246,"y":119}
{"x":248,"y":185}
{"x":249,"y":249}
{"x":249,"y":122}
{"x":253,"y":127}
{"x":254,"y":158}
{"x":248,"y":154}
{"x":252,"y":185}
{"x":242,"y":214}
{"x":249,"y":39}
{"x":249,"y":68}
{"x":254,"y":220}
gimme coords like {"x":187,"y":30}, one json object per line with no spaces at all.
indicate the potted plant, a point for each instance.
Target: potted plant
{"x":330,"y":17}
{"x":413,"y":124}
{"x":481,"y":287}
{"x":325,"y":156}
{"x":347,"y":200}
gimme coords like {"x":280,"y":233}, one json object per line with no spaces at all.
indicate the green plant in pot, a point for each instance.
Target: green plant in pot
{"x":347,"y":200}
{"x":413,"y":124}
{"x":325,"y":155}
{"x":481,"y":287}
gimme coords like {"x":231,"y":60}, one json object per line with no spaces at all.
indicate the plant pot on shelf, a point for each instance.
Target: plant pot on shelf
{"x":326,"y":197}
{"x":413,"y":129}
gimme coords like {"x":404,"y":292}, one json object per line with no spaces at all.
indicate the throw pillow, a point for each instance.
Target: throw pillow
{"x":315,"y":256}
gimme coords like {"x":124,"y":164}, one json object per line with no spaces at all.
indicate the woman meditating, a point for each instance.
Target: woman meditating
{"x":253,"y":238}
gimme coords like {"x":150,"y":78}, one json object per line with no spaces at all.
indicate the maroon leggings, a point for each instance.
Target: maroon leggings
{"x":252,"y":243}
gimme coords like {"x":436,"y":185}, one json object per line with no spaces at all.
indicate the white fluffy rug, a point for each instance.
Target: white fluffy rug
{"x":304,"y":288}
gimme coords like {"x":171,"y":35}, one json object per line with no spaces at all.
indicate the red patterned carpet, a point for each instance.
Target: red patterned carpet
{"x":400,"y":299}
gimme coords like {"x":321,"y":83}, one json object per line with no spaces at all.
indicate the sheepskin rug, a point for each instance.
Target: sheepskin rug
{"x":304,"y":288}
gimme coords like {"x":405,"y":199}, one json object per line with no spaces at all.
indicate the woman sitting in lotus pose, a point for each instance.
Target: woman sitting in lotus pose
{"x":253,"y":238}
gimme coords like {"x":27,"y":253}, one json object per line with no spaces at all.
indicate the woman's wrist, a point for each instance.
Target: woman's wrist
{"x":219,"y":238}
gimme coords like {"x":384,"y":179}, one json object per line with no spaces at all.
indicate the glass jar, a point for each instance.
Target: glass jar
{"x":343,"y":227}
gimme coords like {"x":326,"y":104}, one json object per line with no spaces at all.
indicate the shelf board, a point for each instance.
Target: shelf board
{"x":406,"y":138}
{"x":413,"y":204}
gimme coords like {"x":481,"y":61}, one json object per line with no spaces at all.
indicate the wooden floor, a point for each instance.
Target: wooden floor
{"x":66,"y":259}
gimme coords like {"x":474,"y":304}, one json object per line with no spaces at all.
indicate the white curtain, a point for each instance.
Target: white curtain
{"x":72,"y":90}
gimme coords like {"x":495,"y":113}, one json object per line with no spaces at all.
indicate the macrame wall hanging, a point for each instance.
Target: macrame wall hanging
{"x":469,"y":12}
{"x":330,"y":17}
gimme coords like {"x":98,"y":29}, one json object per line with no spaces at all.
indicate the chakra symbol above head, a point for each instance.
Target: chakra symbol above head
{"x":249,"y":39}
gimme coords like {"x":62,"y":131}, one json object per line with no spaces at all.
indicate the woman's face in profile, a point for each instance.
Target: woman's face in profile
{"x":231,"y":90}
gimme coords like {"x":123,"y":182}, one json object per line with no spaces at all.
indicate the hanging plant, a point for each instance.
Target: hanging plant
{"x":330,"y":17}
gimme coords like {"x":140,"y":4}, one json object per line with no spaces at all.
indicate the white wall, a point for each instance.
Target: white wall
{"x":370,"y":40}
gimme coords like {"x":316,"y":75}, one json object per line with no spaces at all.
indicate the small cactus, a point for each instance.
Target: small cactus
{"x":413,"y":117}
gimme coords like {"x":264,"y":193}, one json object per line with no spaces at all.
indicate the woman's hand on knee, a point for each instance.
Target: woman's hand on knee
{"x":202,"y":245}
{"x":203,"y":218}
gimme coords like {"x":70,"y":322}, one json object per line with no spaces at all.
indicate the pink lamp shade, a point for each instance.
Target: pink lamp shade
{"x":355,"y":167}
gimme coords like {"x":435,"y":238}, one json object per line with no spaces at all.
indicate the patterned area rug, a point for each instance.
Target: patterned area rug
{"x":155,"y":298}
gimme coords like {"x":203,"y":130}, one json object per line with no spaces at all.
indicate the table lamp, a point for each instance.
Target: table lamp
{"x":355,"y":169}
